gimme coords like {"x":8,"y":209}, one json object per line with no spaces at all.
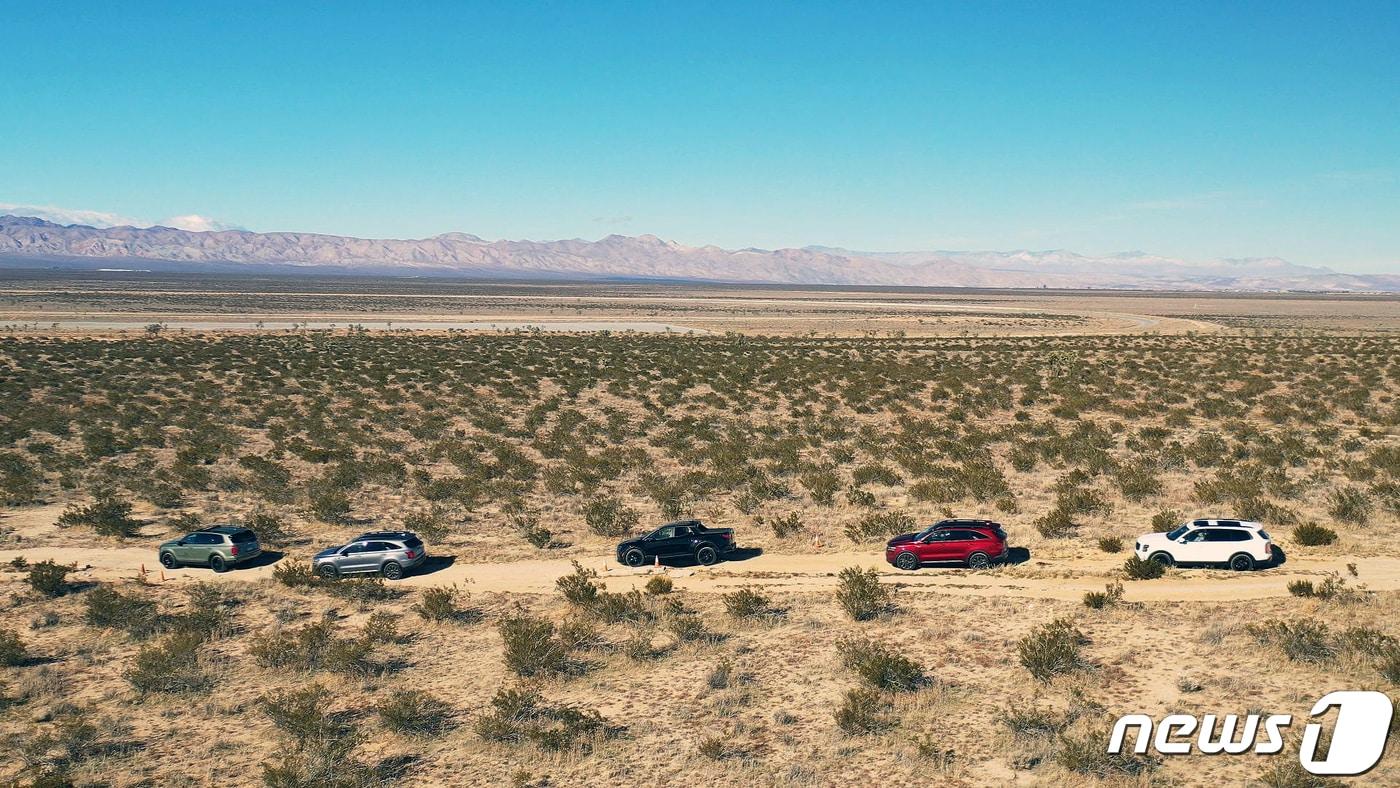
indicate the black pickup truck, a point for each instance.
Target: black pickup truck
{"x":688,"y":538}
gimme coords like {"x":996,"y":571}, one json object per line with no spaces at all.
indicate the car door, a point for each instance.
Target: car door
{"x":198,"y":547}
{"x":379,"y":552}
{"x":352,"y":558}
{"x":937,"y":546}
{"x":1194,"y":547}
{"x":662,"y":541}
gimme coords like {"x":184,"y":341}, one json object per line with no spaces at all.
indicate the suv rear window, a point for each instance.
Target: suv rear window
{"x":413,"y":541}
{"x":243,"y":536}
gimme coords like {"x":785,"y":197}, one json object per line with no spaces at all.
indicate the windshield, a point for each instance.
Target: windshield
{"x":1177,"y":532}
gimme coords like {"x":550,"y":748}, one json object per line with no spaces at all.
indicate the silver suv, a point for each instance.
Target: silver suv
{"x":389,"y":553}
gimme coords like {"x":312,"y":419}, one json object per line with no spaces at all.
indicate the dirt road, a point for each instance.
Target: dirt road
{"x":1063,"y":579}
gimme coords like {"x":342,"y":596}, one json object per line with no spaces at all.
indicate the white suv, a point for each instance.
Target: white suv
{"x":1238,"y":544}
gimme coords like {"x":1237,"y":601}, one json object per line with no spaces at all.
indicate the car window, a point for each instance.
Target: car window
{"x":940,"y":536}
{"x":685,"y":530}
{"x":664,"y":533}
{"x":965,"y":536}
{"x":358,"y":547}
{"x":243,"y":537}
{"x":1176,"y":533}
{"x":1263,"y":534}
{"x":413,"y":542}
{"x":204,"y":539}
{"x":1199,"y":535}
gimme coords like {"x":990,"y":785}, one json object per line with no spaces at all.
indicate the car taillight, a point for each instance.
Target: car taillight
{"x":234,"y":550}
{"x":1268,"y":548}
{"x":410,"y":553}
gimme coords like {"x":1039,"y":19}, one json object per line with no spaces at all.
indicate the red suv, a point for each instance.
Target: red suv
{"x":974,"y":543}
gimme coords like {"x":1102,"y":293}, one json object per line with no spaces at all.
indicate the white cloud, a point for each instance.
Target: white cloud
{"x":70,"y":216}
{"x":103,"y":219}
{"x":196,"y":223}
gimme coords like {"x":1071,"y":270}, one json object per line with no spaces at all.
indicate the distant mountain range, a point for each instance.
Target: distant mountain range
{"x":29,"y":242}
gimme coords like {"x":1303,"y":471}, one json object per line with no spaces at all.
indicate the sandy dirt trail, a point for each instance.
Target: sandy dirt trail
{"x":1064,"y":579}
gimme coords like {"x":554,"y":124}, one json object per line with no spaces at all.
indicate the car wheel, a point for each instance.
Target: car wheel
{"x":1165,"y":559}
{"x":706,"y":555}
{"x":392,"y":571}
{"x":1242,"y":562}
{"x":634,"y":557}
{"x":168,"y":561}
{"x":216,"y":562}
{"x":328,"y":572}
{"x":907,"y":561}
{"x":978,"y":561}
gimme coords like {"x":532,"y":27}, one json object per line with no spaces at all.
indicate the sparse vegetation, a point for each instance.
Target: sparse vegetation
{"x":1142,"y":569}
{"x":860,"y":594}
{"x":1052,"y":649}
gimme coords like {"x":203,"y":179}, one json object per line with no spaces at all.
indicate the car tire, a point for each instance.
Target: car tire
{"x":634,"y":557}
{"x":907,"y":561}
{"x":217,"y":563}
{"x":706,"y":556}
{"x":328,"y":572}
{"x":168,"y":561}
{"x":978,"y":561}
{"x":392,"y":571}
{"x":1163,"y":558}
{"x":1242,"y":562}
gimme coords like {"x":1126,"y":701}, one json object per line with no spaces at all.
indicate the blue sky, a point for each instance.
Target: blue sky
{"x":1195,"y":130}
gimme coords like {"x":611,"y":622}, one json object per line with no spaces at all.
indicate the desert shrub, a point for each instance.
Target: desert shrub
{"x":1138,"y":481}
{"x":531,"y":646}
{"x":49,"y":578}
{"x":616,"y":608}
{"x":429,"y":524}
{"x":1300,"y":641}
{"x":330,"y":506}
{"x":269,"y":528}
{"x":1289,"y":773}
{"x":1303,"y":588}
{"x":1111,"y":595}
{"x":382,"y":627}
{"x":865,"y":711}
{"x":880,"y":665}
{"x":1166,"y":520}
{"x":609,"y":517}
{"x":522,"y":715}
{"x":822,"y":485}
{"x":857,"y":496}
{"x":746,"y":603}
{"x":12,"y":652}
{"x":1142,"y":569}
{"x":415,"y":713}
{"x":690,"y":628}
{"x":107,"y":516}
{"x":579,"y":587}
{"x":1313,"y":535}
{"x":106,"y":607}
{"x":1087,"y":755}
{"x":1052,"y":649}
{"x":294,"y":573}
{"x":1033,"y":721}
{"x":860,"y":594}
{"x":1058,"y":523}
{"x":304,"y":716}
{"x":312,"y":647}
{"x":1111,"y":544}
{"x":879,"y":524}
{"x":363,"y":590}
{"x":1350,"y":505}
{"x":170,"y":666}
{"x":787,"y":525}
{"x":439,"y":603}
{"x":720,"y":675}
{"x":658,"y":585}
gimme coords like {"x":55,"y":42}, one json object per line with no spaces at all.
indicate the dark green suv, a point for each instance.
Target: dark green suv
{"x":218,"y":547}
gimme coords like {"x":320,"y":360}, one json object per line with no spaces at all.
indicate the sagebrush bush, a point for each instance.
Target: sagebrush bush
{"x":1111,"y":595}
{"x":1142,"y":569}
{"x":659,"y":585}
{"x":520,"y":715}
{"x":1350,"y":505}
{"x":294,"y":573}
{"x":49,"y":578}
{"x":106,"y":607}
{"x":864,"y":711}
{"x":879,"y":524}
{"x":880,"y":665}
{"x":1052,"y":649}
{"x":1300,"y":641}
{"x":1166,"y":520}
{"x":169,"y":666}
{"x":579,"y":587}
{"x":746,"y":602}
{"x":1313,"y":535}
{"x":1087,"y":755}
{"x":107,"y":516}
{"x":531,"y":646}
{"x":439,"y":603}
{"x":1111,"y":544}
{"x":860,"y":594}
{"x":12,"y":651}
{"x":415,"y":713}
{"x":609,"y":517}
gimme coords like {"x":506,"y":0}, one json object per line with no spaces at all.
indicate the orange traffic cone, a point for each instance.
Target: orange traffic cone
{"x":657,"y":562}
